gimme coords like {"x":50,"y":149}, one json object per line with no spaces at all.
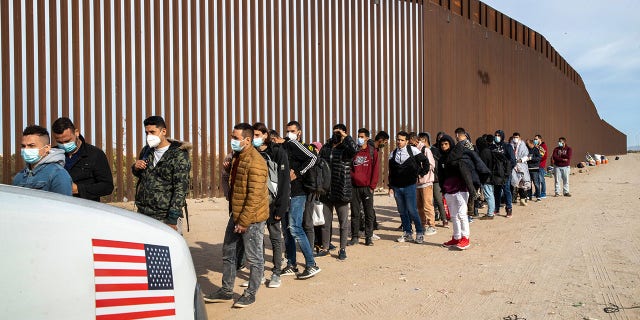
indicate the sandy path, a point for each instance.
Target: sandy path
{"x":563,"y":258}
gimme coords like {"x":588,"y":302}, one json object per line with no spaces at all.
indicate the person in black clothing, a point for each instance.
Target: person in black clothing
{"x":338,"y":152}
{"x":437,"y":193}
{"x":278,"y":208}
{"x":500,"y":145}
{"x":301,"y":159}
{"x":482,"y":144}
{"x":534,"y":166}
{"x":86,"y":164}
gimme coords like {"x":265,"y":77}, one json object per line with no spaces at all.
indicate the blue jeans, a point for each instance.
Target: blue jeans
{"x":497,"y":192}
{"x":252,"y":241}
{"x":487,"y":189}
{"x":535,"y":178}
{"x":294,"y":232}
{"x":408,"y":208}
{"x":543,"y":182}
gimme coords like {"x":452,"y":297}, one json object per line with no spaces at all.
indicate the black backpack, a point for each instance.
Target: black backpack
{"x":318,"y":178}
{"x":501,"y":170}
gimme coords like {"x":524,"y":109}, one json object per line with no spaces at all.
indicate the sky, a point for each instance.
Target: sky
{"x":601,"y":41}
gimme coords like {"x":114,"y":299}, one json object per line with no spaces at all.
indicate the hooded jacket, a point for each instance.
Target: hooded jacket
{"x":461,"y":169}
{"x":90,"y":171}
{"x":485,"y":155}
{"x":48,"y":174}
{"x":163,"y":187}
{"x":249,"y":193}
{"x":427,"y":179}
{"x":505,"y":148}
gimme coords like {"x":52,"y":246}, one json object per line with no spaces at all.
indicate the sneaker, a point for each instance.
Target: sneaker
{"x":405,"y":237}
{"x":309,"y":272}
{"x":451,"y":242}
{"x":244,"y":301}
{"x":218,"y":296}
{"x":463,"y":243}
{"x":470,"y":219}
{"x":353,"y":241}
{"x":567,"y":194}
{"x":375,"y":237}
{"x":331,"y":247}
{"x":342,"y":254}
{"x":368,"y":242}
{"x":538,"y":199}
{"x":246,"y":283}
{"x":430,"y":231}
{"x":445,"y":224}
{"x":487,"y":217}
{"x":556,"y":195}
{"x":523,"y":203}
{"x":275,"y":281}
{"x":321,"y":253}
{"x":509,"y":212}
{"x":289,"y":271}
{"x":543,"y":197}
{"x":419,"y":238}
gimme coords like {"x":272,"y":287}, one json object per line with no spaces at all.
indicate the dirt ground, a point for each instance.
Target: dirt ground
{"x":562,"y":258}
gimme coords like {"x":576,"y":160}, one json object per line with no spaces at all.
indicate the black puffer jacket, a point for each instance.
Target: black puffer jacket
{"x":339,"y":158}
{"x":466,"y":163}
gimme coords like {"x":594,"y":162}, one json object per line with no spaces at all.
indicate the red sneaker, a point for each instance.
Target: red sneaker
{"x":463,"y":243}
{"x":450,"y":243}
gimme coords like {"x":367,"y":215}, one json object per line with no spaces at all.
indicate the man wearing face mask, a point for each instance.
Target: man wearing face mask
{"x":301,"y":159}
{"x":249,"y":210}
{"x":278,"y":208}
{"x":520,"y":177}
{"x":338,"y":152}
{"x":45,"y":166}
{"x":364,"y":176}
{"x":499,"y":145}
{"x":163,"y":175}
{"x":562,"y":166}
{"x":86,"y":164}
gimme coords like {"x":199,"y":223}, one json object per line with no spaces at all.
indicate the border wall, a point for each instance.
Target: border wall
{"x":205,"y":65}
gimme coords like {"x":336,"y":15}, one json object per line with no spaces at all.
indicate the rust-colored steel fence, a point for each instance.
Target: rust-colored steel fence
{"x":205,"y":65}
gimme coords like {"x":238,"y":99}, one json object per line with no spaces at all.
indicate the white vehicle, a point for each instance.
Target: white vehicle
{"x":69,"y":258}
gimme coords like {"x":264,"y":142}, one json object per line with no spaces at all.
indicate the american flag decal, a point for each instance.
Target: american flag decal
{"x":133,"y":280}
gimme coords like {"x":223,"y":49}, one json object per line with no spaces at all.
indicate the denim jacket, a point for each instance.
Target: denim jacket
{"x":48,"y":174}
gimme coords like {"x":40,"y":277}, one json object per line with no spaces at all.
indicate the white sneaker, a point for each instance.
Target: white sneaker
{"x":429,"y":231}
{"x":419,"y":238}
{"x":274,"y":282}
{"x":246,"y":283}
{"x":375,"y":237}
{"x":406,"y":237}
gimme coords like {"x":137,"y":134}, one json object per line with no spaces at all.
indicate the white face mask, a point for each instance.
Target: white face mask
{"x":516,"y":140}
{"x":153,"y":141}
{"x":292,"y":136}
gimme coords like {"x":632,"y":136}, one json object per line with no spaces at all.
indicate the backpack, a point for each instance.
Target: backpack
{"x":501,"y":169}
{"x":272,"y":179}
{"x":318,"y":178}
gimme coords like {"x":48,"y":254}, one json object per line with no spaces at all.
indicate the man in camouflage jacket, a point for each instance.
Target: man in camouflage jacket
{"x":163,"y":174}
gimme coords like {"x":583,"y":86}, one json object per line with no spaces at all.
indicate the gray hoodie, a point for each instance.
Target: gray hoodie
{"x":48,"y":174}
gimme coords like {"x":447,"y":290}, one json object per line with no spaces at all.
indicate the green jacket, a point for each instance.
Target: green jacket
{"x":162,"y":189}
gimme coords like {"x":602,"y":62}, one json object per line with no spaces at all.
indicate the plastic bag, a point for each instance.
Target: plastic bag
{"x":318,"y":213}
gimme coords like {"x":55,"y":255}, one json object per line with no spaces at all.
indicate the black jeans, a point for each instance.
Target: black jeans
{"x":275,"y":236}
{"x":362,"y":200}
{"x":342,"y":209}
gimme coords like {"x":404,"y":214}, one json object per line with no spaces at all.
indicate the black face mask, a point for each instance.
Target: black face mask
{"x":337,"y":137}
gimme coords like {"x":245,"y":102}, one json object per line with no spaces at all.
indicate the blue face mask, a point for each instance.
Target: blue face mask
{"x":536,"y":142}
{"x":67,"y":147}
{"x":360,"y":141}
{"x":258,"y":142}
{"x":235,"y":145}
{"x":560,"y":144}
{"x":31,"y":156}
{"x":497,"y":139}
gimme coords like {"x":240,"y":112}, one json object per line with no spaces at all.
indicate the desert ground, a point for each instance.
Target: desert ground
{"x":562,"y":258}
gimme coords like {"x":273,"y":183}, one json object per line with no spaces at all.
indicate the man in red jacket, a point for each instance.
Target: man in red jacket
{"x":364,"y":177}
{"x":542,"y":147}
{"x":562,"y":164}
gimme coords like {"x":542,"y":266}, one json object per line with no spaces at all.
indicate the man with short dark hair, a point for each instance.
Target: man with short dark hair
{"x":301,"y":159}
{"x":406,"y":164}
{"x":162,"y":169}
{"x":86,"y":164}
{"x":364,"y":176}
{"x":249,"y":210}
{"x":562,"y":166}
{"x":45,"y":165}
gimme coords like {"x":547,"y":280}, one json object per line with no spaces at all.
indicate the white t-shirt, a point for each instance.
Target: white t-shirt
{"x":158,"y":153}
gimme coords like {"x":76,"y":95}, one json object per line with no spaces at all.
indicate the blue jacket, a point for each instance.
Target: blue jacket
{"x":48,"y":174}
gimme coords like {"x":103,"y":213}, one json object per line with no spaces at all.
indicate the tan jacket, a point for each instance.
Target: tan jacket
{"x":249,"y":197}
